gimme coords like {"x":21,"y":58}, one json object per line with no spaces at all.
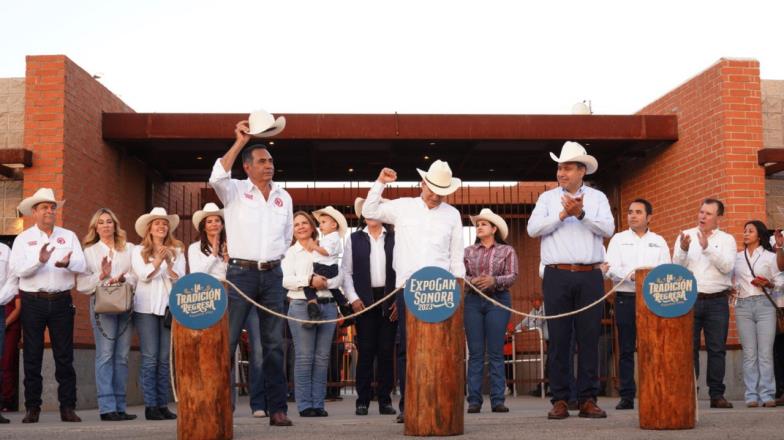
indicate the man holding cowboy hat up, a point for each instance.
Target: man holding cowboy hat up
{"x":572,"y":221}
{"x":46,"y":257}
{"x":428,"y":232}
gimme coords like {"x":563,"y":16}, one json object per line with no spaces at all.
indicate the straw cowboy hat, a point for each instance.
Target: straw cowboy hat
{"x":262,"y":124}
{"x":155,"y":214}
{"x":335,"y":214}
{"x":494,"y":219}
{"x":439,"y":178}
{"x":359,"y":202}
{"x":208,"y":210}
{"x":574,"y":152}
{"x":40,"y":196}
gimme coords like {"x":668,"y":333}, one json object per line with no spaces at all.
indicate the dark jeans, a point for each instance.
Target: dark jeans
{"x":58,"y":315}
{"x":258,"y":400}
{"x":565,"y":291}
{"x":402,"y":315}
{"x":485,"y":327}
{"x":265,"y":288}
{"x":375,"y":342}
{"x":778,"y":363}
{"x":326,"y":271}
{"x":712,"y":317}
{"x":627,"y":340}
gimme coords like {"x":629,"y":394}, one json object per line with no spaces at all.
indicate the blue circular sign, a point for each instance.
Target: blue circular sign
{"x":198,"y":301}
{"x":432,"y":294}
{"x":670,"y":290}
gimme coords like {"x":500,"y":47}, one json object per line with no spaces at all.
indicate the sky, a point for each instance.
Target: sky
{"x":478,"y":57}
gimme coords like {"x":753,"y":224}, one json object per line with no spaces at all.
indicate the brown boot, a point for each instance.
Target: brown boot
{"x":720,"y":402}
{"x":31,"y":415}
{"x":279,"y":419}
{"x":589,"y":409}
{"x":560,"y":411}
{"x":68,"y":415}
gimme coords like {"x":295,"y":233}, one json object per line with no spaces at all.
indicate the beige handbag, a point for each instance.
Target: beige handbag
{"x":114,"y":299}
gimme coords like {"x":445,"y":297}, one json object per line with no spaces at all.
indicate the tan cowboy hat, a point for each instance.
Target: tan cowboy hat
{"x":359,"y":202}
{"x":156,"y":213}
{"x":494,"y":219}
{"x":208,"y":210}
{"x":40,"y":196}
{"x":439,"y":178}
{"x":574,"y":152}
{"x":334,"y":213}
{"x":262,"y":124}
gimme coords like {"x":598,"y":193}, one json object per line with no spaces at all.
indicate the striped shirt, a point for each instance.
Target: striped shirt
{"x":499,"y":261}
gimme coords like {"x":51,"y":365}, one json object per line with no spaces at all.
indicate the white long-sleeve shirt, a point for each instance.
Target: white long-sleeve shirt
{"x":35,"y":276}
{"x":378,"y":265}
{"x":423,"y":236}
{"x":571,"y":241}
{"x":256,"y":229}
{"x":297,"y":267}
{"x":152,"y":292}
{"x":712,"y":266}
{"x":627,"y":252}
{"x":8,"y":282}
{"x":764,"y":264}
{"x":5,"y":255}
{"x":87,"y":281}
{"x":209,"y":264}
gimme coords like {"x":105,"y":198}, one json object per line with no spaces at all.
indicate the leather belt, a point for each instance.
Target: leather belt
{"x":722,"y":294}
{"x":51,"y":296}
{"x":574,"y":267}
{"x":256,"y":265}
{"x":320,"y":300}
{"x":625,"y":293}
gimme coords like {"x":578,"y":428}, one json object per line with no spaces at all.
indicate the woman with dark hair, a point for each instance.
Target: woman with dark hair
{"x":755,"y":314}
{"x":208,"y":254}
{"x":491,"y":265}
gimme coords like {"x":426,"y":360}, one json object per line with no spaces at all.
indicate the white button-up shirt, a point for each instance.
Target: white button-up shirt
{"x":209,"y":264}
{"x":6,"y":294}
{"x":423,"y":236}
{"x":152,"y":293}
{"x":571,"y":241}
{"x":764,"y":264}
{"x":378,"y":265}
{"x":256,"y":229}
{"x":297,"y":267}
{"x":627,"y":252}
{"x":35,"y":276}
{"x":712,"y":266}
{"x":333,"y":244}
{"x":89,"y":280}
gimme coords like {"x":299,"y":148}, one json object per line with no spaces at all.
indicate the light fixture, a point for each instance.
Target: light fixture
{"x":426,"y":158}
{"x":199,"y":158}
{"x":492,"y":170}
{"x":582,"y":108}
{"x":432,"y":144}
{"x":351,"y":170}
{"x":272,"y":142}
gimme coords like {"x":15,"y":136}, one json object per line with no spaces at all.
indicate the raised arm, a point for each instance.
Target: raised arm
{"x":373,"y":209}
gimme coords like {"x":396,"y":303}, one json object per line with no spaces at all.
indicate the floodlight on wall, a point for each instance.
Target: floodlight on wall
{"x":582,"y":108}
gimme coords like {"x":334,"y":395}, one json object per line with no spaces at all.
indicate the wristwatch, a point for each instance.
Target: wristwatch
{"x":581,"y":216}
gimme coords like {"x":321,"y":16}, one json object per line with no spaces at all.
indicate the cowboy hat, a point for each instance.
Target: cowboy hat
{"x":494,"y":219}
{"x":359,"y":202}
{"x":208,"y":210}
{"x":40,"y":196}
{"x":155,"y":214}
{"x":262,"y":124}
{"x":439,"y":178}
{"x":574,"y":152}
{"x":335,"y":214}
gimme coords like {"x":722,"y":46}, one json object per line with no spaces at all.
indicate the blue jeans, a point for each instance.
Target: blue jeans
{"x":712,"y":316}
{"x":266,"y":288}
{"x":627,"y":340}
{"x":756,"y":320}
{"x":485,"y":327}
{"x":111,"y":359}
{"x":258,"y":399}
{"x":311,"y":352}
{"x":154,"y":341}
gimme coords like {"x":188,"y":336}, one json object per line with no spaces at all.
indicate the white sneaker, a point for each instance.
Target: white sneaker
{"x":260,"y":413}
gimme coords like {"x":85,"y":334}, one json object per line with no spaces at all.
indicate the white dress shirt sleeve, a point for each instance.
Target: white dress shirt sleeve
{"x":292,"y":281}
{"x":144,"y":271}
{"x":220,"y":181}
{"x":374,"y":209}
{"x":77,"y":262}
{"x":722,"y":257}
{"x":23,"y":263}
{"x":542,"y":221}
{"x":87,"y":281}
{"x":347,"y":268}
{"x":288,"y":229}
{"x":679,"y":256}
{"x":5,"y":253}
{"x":617,"y":270}
{"x":457,"y":250}
{"x":602,"y":223}
{"x":178,"y":267}
{"x":664,"y":252}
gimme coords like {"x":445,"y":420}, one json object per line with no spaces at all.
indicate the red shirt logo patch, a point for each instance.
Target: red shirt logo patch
{"x":60,"y":240}
{"x":32,"y":243}
{"x":278,"y":202}
{"x":249,"y":196}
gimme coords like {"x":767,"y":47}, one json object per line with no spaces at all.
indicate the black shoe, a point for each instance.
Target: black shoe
{"x":500,"y":408}
{"x":126,"y":416}
{"x":320,"y":412}
{"x":314,"y":314}
{"x":31,"y":415}
{"x":3,"y":419}
{"x":386,"y":410}
{"x":111,"y":417}
{"x":400,"y":418}
{"x":153,"y":413}
{"x":308,"y":412}
{"x":168,"y":415}
{"x":625,"y":404}
{"x":474,"y":409}
{"x":362,"y":410}
{"x":68,"y":415}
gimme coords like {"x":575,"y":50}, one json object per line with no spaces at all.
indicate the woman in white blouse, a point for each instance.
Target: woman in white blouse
{"x":157,"y":262}
{"x":311,"y":345}
{"x":108,"y":258}
{"x":755,"y":315}
{"x":209,"y":255}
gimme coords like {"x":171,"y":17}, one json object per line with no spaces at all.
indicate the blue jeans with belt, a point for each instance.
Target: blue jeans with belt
{"x":311,"y":350}
{"x":111,"y":358}
{"x":712,"y":317}
{"x":485,"y":327}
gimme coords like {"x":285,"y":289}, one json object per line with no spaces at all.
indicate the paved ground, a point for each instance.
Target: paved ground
{"x":526,"y":420}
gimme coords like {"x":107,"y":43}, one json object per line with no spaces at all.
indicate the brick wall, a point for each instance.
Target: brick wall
{"x":720,"y":132}
{"x":773,"y":137}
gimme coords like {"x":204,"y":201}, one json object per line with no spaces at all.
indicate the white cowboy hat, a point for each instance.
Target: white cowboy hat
{"x":439,"y":178}
{"x":40,"y":196}
{"x":335,"y":214}
{"x":156,"y":213}
{"x":574,"y":152}
{"x":262,"y":124}
{"x":208,"y":210}
{"x":494,"y":219}
{"x":359,"y":202}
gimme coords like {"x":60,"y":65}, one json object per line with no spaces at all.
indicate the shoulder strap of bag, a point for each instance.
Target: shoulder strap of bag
{"x":764,"y":289}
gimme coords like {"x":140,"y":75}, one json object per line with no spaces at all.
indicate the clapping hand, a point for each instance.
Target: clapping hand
{"x":117,"y":280}
{"x":45,"y":254}
{"x":703,"y":238}
{"x":65,"y":261}
{"x":779,"y":238}
{"x":573,"y":206}
{"x":685,"y":241}
{"x":106,"y":267}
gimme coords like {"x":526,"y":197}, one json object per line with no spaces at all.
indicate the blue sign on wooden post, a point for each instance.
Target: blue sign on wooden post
{"x":432,"y":294}
{"x":670,"y":290}
{"x":198,"y":301}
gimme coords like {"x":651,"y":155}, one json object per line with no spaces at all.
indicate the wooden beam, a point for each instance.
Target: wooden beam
{"x":16,"y":156}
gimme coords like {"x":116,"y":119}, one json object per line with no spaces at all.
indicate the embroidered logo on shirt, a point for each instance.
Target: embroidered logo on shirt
{"x":32,"y":243}
{"x":278,"y":202}
{"x":60,"y":240}
{"x":249,"y":196}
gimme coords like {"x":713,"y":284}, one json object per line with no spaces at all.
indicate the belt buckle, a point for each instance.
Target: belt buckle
{"x":259,"y":266}
{"x":573,"y":268}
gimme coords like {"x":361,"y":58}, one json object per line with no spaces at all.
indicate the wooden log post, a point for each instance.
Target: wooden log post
{"x":203,"y":382}
{"x":435,"y":375}
{"x":665,"y":366}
